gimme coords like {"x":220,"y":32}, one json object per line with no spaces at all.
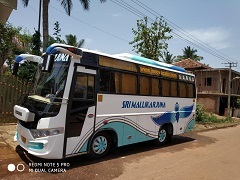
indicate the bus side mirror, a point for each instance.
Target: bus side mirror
{"x":15,"y":68}
{"x":48,"y":61}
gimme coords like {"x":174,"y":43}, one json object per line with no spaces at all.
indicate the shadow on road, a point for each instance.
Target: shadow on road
{"x":125,"y":151}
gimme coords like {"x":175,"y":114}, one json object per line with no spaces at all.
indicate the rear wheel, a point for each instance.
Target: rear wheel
{"x":100,"y":145}
{"x":163,"y":136}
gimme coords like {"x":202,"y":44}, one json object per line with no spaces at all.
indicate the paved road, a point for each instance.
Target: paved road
{"x":206,"y":155}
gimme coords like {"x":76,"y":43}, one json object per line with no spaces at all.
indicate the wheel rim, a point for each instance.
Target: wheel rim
{"x":162,"y":135}
{"x":99,"y":145}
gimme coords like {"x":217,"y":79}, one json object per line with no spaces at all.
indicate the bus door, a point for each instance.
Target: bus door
{"x":82,"y":102}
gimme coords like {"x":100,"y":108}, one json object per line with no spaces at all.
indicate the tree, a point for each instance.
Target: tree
{"x":189,"y":52}
{"x":23,"y":41}
{"x":150,"y":42}
{"x":72,"y":40}
{"x":27,"y":70}
{"x":57,"y":34}
{"x":66,"y":4}
{"x":7,"y":45}
{"x":168,"y":58}
{"x":36,"y":43}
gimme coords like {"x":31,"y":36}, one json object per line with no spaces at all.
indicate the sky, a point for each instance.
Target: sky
{"x":210,"y":26}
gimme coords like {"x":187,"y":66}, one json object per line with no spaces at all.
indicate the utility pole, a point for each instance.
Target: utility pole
{"x":39,"y":15}
{"x":230,"y":65}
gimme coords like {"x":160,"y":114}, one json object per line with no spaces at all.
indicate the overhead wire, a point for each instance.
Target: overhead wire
{"x":209,"y":49}
{"x":91,"y":25}
{"x":85,"y":24}
{"x":140,"y":14}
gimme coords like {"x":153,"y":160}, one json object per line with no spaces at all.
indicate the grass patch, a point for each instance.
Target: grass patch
{"x":206,"y":120}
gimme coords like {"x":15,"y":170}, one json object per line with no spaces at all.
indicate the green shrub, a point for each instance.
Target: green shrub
{"x":200,"y":113}
{"x":203,"y":117}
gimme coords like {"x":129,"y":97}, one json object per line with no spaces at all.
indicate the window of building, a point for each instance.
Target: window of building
{"x":208,"y":81}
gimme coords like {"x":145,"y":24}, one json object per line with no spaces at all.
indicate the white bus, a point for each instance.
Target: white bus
{"x":89,"y":102}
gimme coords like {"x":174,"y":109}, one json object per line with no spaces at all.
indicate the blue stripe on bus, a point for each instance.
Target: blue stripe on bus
{"x":153,"y":62}
{"x":122,"y":130}
{"x":190,"y":125}
{"x":19,"y":59}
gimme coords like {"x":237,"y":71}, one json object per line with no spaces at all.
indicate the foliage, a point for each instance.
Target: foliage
{"x":36,"y":43}
{"x":200,"y":113}
{"x":7,"y":32}
{"x":150,"y":41}
{"x":191,"y":53}
{"x":168,"y":58}
{"x":57,"y":33}
{"x":51,"y":40}
{"x":72,"y":40}
{"x":27,"y":70}
{"x":203,"y":117}
{"x":66,"y":4}
{"x":24,"y":41}
{"x":237,"y":103}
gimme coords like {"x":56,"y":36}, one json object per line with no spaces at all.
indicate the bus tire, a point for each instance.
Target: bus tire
{"x":100,"y":145}
{"x":163,"y":136}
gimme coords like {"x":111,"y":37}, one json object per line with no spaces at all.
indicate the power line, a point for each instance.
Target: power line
{"x":84,"y":23}
{"x":199,"y":44}
{"x":173,"y":25}
{"x":129,"y":8}
{"x":91,"y":25}
{"x":140,"y":14}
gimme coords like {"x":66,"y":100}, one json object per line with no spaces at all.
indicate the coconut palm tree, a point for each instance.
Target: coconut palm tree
{"x":72,"y":40}
{"x":168,"y":58}
{"x":189,"y":52}
{"x":66,"y":4}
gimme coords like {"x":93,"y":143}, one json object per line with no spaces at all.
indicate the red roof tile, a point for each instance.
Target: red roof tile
{"x":191,"y":64}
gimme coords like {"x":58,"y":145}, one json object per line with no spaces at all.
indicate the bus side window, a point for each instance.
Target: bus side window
{"x":165,"y":87}
{"x":155,"y":87}
{"x":104,"y":81}
{"x":109,"y":81}
{"x":174,"y":91}
{"x":128,"y":83}
{"x":190,"y":90}
{"x":182,"y":89}
{"x":144,"y":85}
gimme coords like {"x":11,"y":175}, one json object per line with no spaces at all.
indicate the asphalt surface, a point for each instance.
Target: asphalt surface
{"x":204,"y":155}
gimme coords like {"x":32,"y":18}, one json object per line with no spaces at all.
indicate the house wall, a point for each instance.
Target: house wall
{"x":219,"y":82}
{"x":210,"y":103}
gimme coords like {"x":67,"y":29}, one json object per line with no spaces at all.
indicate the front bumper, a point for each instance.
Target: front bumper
{"x":50,"y":147}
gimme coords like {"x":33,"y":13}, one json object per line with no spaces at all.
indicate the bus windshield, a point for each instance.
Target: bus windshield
{"x":52,"y":84}
{"x":50,"y":87}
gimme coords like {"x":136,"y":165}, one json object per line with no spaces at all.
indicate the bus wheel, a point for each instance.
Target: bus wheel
{"x":100,"y":145}
{"x":163,"y":136}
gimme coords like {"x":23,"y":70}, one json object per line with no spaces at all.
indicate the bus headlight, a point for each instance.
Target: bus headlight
{"x":37,"y":133}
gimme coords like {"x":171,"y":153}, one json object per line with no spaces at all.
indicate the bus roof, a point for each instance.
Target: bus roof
{"x":141,"y":60}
